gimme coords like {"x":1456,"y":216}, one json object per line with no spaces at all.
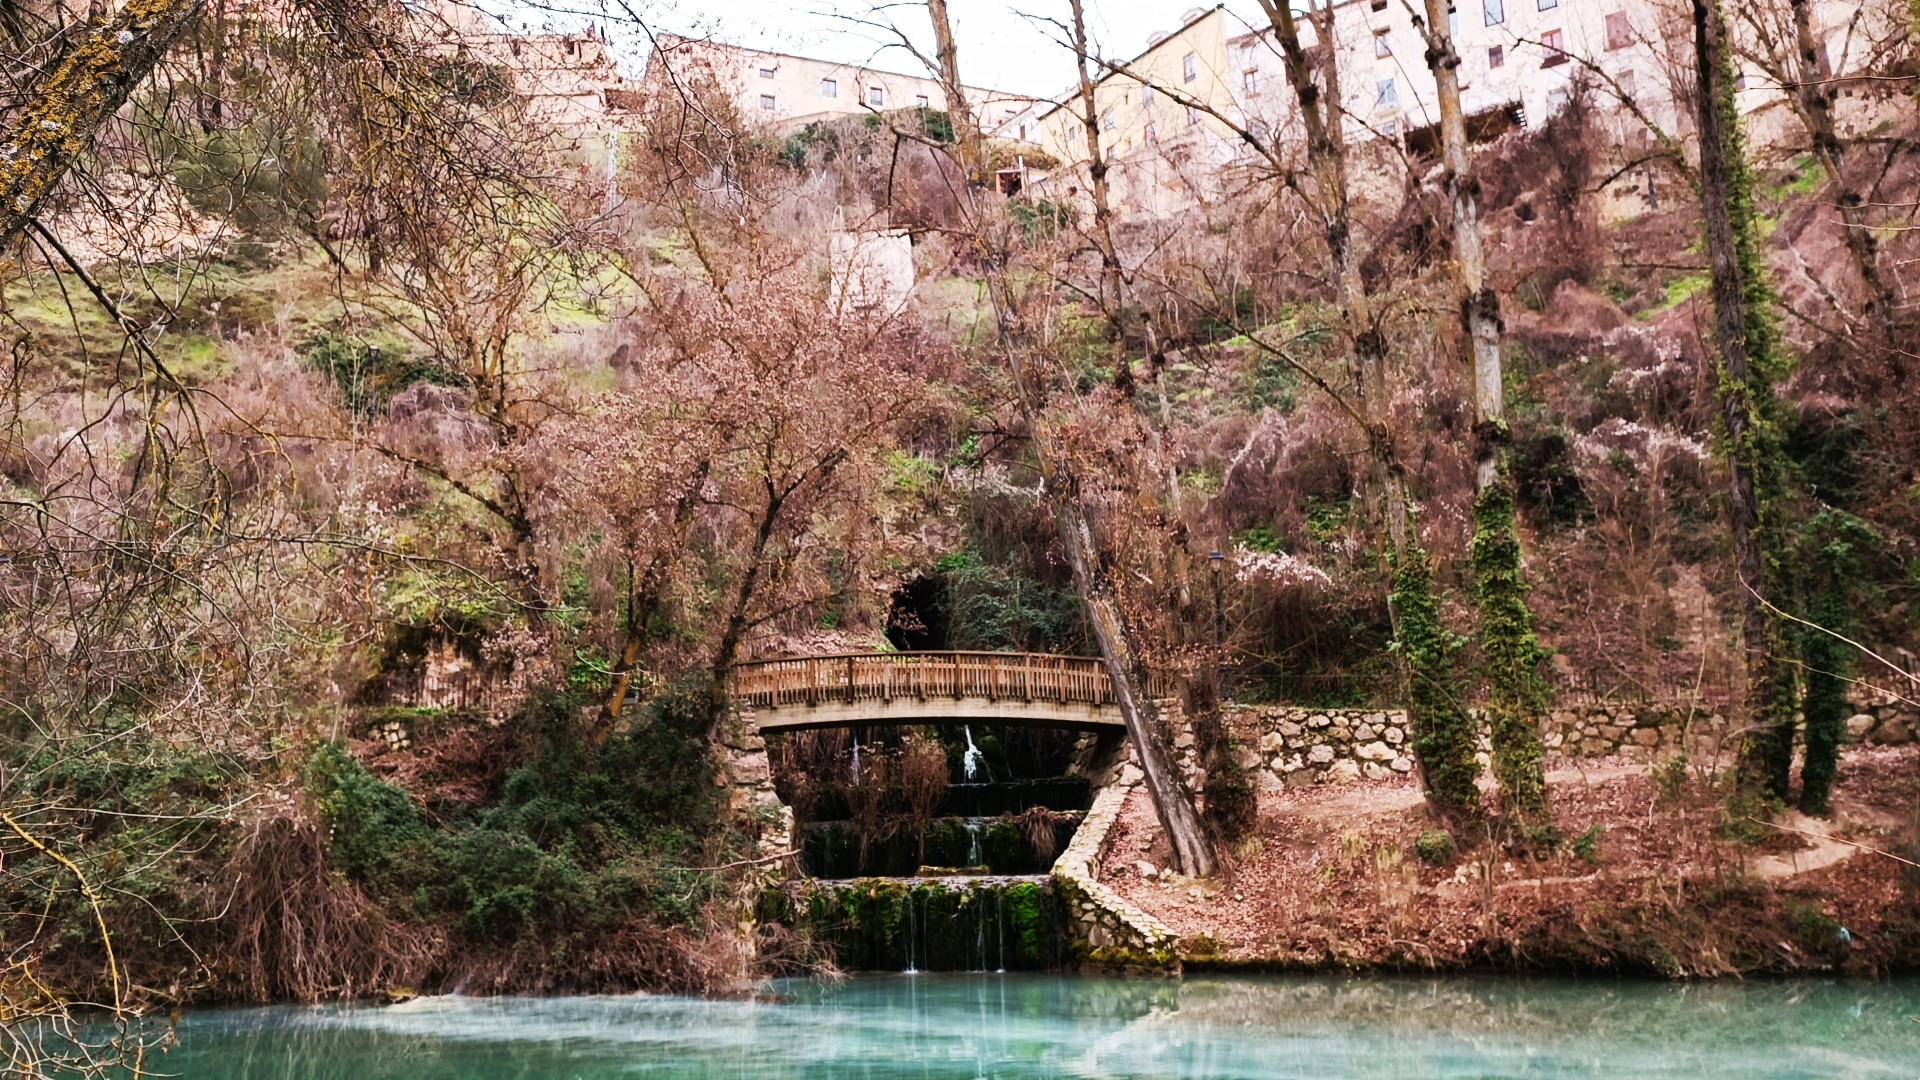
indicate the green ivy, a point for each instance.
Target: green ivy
{"x":1443,"y":728}
{"x":1516,"y":694}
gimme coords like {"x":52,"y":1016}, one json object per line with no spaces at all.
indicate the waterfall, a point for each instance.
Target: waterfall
{"x":980,"y":929}
{"x":1000,"y":919}
{"x":970,"y":761}
{"x":856,"y":757}
{"x":911,"y":970}
{"x":973,"y":843}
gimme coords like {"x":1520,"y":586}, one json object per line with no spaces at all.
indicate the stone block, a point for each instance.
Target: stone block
{"x":1394,"y":736}
{"x":1373,"y":770}
{"x":1300,"y":778}
{"x":1341,"y":772}
{"x":1401,"y":764}
{"x":1289,"y":730}
{"x":1366,"y":733}
{"x":1183,"y":741}
{"x":1894,"y":732}
{"x":1647,"y":736}
{"x":1320,"y":755}
{"x":1318,"y":721}
{"x":1859,"y":724}
{"x":1374,"y":751}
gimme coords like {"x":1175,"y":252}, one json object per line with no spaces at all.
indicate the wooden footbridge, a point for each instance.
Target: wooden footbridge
{"x":930,"y":688}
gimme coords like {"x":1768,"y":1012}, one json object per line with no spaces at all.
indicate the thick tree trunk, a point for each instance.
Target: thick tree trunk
{"x":1517,"y":696}
{"x":1748,"y":363}
{"x":86,"y":88}
{"x":728,"y":650}
{"x":1442,"y":729}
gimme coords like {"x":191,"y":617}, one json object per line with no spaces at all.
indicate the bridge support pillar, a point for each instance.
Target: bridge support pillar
{"x":747,"y":776}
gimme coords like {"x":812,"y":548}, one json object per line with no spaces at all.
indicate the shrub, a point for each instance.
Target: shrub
{"x":1434,"y":847}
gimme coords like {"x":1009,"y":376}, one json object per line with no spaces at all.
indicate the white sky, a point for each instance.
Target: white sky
{"x":999,"y":48}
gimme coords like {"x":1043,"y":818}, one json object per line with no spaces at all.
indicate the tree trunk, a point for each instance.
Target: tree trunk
{"x":1193,"y":853}
{"x":1443,"y":735}
{"x":1746,"y":341}
{"x":86,"y":88}
{"x":1517,"y":696}
{"x":736,"y":626}
{"x":643,"y":600}
{"x":1815,"y":91}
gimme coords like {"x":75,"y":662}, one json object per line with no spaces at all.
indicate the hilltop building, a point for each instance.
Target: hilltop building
{"x":787,"y":91}
{"x":1170,"y":118}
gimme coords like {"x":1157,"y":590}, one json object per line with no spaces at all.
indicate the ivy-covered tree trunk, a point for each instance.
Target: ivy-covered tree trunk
{"x":1443,"y":729}
{"x":1748,"y":363}
{"x":87,"y":86}
{"x":1830,"y":550}
{"x":1516,"y":694}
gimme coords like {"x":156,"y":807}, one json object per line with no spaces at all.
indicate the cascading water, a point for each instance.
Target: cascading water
{"x":973,"y":843}
{"x":969,"y":761}
{"x":1000,"y":920}
{"x":856,"y":757}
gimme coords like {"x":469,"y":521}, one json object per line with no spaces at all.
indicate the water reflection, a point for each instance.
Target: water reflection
{"x":1061,"y":1026}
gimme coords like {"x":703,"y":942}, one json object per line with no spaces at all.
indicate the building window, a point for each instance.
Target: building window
{"x":1625,"y":83}
{"x":766,"y":102}
{"x":1106,"y":119}
{"x":920,"y":101}
{"x":1390,"y":128}
{"x":876,"y":96}
{"x":1619,"y":31}
{"x":1146,"y":96}
{"x":1496,"y":57}
{"x":1496,"y":11}
{"x":1386,"y":95}
{"x":1009,"y":114}
{"x":1023,"y":132}
{"x":1379,"y":5}
{"x":1193,"y":115}
{"x":1556,"y":53}
{"x":766,"y":73}
{"x":829,"y":88}
{"x":1190,"y":68}
{"x":1382,"y":44}
{"x":1251,"y":81}
{"x":1549,"y":5}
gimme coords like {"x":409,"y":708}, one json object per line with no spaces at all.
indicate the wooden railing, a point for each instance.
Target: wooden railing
{"x":851,"y":677}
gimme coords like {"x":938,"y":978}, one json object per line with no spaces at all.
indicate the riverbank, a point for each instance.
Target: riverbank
{"x":1656,"y":880}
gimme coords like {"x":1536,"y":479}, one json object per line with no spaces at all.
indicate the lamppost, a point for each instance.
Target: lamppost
{"x":1214,"y":559}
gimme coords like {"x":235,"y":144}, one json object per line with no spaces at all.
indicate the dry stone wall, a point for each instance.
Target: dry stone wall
{"x":1882,"y":718}
{"x":1105,"y":929}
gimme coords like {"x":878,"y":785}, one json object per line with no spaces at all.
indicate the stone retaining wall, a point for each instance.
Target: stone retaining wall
{"x":1881,"y":718}
{"x":1102,"y":928}
{"x":1292,"y":746}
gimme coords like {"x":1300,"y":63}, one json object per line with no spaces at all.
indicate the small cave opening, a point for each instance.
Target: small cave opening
{"x":916,"y":618}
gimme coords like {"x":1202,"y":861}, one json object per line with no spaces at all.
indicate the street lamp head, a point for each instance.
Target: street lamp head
{"x":1215,"y":557}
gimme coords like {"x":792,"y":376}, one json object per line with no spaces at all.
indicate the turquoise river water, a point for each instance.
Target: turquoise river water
{"x":972,"y":1026}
